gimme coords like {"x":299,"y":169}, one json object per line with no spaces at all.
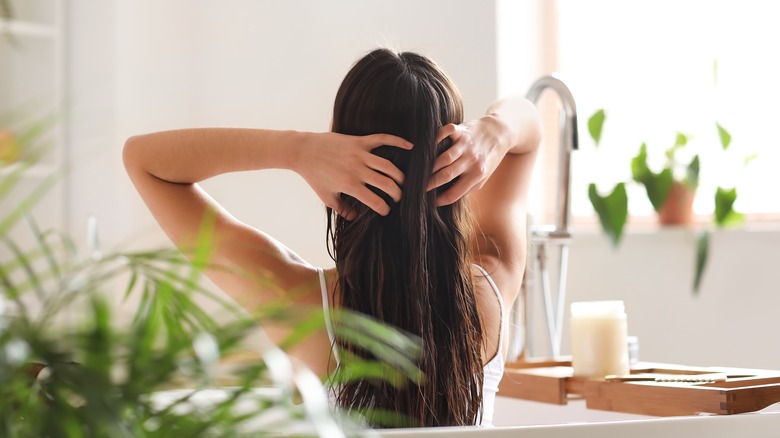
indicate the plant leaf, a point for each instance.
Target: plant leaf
{"x":724,"y":207}
{"x":693,"y":173}
{"x":8,"y":180}
{"x":5,"y":9}
{"x":680,"y":140}
{"x":658,"y":187}
{"x":130,"y":286}
{"x":702,"y":254}
{"x":45,"y":247}
{"x":34,"y":278}
{"x":639,"y":169}
{"x":595,"y":125}
{"x":23,"y":207}
{"x":725,"y":137}
{"x":302,"y":330}
{"x":715,"y":72}
{"x":355,"y":368}
{"x":749,"y":159}
{"x":387,"y":418}
{"x":612,"y":210}
{"x":390,"y":357}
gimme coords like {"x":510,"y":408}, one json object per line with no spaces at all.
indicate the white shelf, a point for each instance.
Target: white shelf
{"x":19,"y":28}
{"x":39,"y":170}
{"x":36,"y":66}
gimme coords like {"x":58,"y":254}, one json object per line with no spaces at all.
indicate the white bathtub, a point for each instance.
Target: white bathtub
{"x":525,"y":419}
{"x":518,"y":418}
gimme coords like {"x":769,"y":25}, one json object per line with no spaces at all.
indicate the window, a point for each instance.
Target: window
{"x":653,"y":65}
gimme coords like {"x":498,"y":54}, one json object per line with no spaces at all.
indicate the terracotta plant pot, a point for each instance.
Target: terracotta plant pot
{"x":678,"y":208}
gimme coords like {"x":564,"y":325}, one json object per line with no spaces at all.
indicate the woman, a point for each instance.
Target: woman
{"x":410,"y":247}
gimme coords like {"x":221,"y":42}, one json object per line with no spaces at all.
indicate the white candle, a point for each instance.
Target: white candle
{"x":599,"y":338}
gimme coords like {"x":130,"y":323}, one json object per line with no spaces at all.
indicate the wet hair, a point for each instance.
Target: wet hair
{"x":412,"y":268}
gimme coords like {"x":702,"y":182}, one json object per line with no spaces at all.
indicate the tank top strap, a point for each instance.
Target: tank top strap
{"x":500,"y":306}
{"x":326,"y":313}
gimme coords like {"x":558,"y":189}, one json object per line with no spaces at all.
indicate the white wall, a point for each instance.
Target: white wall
{"x":138,"y":66}
{"x":731,"y":322}
{"x":143,"y":65}
{"x":181,"y":63}
{"x":96,"y":174}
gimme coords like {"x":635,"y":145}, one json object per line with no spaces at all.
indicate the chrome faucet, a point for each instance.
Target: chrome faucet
{"x":544,"y":237}
{"x":568,"y":143}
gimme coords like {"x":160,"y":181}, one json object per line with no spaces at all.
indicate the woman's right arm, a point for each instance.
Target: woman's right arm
{"x":165,"y":168}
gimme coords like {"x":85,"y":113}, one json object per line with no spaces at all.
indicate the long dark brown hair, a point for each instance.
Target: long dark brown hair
{"x":411,"y":268}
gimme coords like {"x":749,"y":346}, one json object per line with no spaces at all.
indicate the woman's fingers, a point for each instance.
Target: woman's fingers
{"x":376,"y":140}
{"x":450,"y":155}
{"x":365,"y":169}
{"x":371,"y":200}
{"x":345,"y":211}
{"x":446,"y":158}
{"x":385,"y":166}
{"x":340,"y":207}
{"x":441,"y":177}
{"x":457,"y":191}
{"x":445,"y":131}
{"x":384,"y":184}
{"x":448,"y":174}
{"x":384,"y":175}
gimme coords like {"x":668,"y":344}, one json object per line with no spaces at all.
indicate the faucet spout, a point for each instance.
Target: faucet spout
{"x":568,"y":143}
{"x":546,"y":240}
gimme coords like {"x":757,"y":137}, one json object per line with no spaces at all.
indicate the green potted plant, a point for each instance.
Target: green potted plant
{"x":70,"y":368}
{"x":670,"y":190}
{"x":93,"y":376}
{"x":5,"y":9}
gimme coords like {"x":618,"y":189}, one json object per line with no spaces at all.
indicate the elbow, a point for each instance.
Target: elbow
{"x":533,"y":125}
{"x":128,"y":152}
{"x":131,"y":152}
{"x":132,"y":156}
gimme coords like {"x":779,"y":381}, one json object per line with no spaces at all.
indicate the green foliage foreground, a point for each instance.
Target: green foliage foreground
{"x":70,"y":368}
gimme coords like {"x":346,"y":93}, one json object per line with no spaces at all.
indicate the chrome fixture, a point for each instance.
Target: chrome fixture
{"x":544,"y":239}
{"x":568,"y":143}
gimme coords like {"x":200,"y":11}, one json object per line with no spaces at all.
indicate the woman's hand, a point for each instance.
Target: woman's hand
{"x":477,"y":149}
{"x":336,"y":163}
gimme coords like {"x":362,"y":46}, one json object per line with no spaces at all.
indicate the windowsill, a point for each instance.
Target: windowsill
{"x":766,"y":222}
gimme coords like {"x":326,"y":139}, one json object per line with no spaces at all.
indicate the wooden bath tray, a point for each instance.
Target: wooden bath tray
{"x":737,"y":390}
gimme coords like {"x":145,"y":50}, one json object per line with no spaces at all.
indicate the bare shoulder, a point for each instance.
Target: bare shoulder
{"x":259,"y":268}
{"x":507,"y":275}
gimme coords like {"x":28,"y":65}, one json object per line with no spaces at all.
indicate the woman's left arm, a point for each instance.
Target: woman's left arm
{"x":166,"y":167}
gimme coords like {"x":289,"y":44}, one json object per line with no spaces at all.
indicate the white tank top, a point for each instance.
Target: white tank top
{"x":493,"y":370}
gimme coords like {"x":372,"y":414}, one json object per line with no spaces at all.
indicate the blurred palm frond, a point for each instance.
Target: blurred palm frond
{"x":70,"y":367}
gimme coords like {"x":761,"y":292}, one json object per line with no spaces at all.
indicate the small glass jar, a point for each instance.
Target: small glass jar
{"x":599,"y":343}
{"x":633,"y":350}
